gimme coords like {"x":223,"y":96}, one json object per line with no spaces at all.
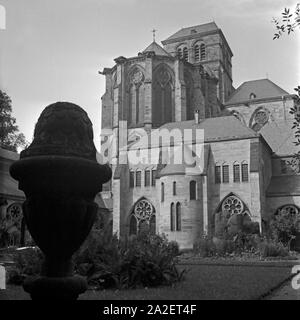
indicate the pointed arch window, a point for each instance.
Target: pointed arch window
{"x":202,"y":52}
{"x":217,"y":174}
{"x":178,"y":216}
{"x":197,"y":52}
{"x":138,"y":179}
{"x":153,"y":177}
{"x":172,"y":217}
{"x":236,"y":172}
{"x":174,"y":188}
{"x":193,"y":191}
{"x":185,"y":53}
{"x":131,"y":179}
{"x":147,"y":178}
{"x":225,"y":173}
{"x":133,"y":225}
{"x":245,"y":172}
{"x":162,"y":192}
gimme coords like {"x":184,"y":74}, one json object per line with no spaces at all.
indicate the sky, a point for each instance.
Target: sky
{"x":52,"y":50}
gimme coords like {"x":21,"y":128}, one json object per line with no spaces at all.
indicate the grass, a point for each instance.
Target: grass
{"x":202,"y":282}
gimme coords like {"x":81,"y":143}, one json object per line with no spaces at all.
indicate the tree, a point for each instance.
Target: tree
{"x":10,"y":138}
{"x":289,"y":22}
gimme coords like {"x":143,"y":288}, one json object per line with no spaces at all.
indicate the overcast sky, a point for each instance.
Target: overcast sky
{"x":52,"y":50}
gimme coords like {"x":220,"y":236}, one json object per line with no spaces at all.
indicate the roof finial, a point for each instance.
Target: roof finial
{"x":153,"y":31}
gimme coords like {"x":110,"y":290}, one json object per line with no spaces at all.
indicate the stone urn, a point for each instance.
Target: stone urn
{"x":60,"y":177}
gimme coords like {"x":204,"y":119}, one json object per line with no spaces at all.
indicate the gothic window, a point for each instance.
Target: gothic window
{"x":147,"y":178}
{"x":193,"y":190}
{"x":232,"y":205}
{"x":136,"y":97}
{"x":153,"y":178}
{"x":217,"y":174}
{"x":163,"y":97}
{"x":138,"y":179}
{"x":131,"y":179}
{"x":236,"y":172}
{"x":197,"y":52}
{"x":142,"y":218}
{"x":174,"y":188}
{"x":288,"y":209}
{"x":178,"y":216}
{"x":259,"y":118}
{"x":14,"y":215}
{"x":245,"y":174}
{"x":172,"y":217}
{"x":225,"y":173}
{"x":162,"y":192}
{"x":185,"y":54}
{"x":202,"y":52}
{"x":179,"y":52}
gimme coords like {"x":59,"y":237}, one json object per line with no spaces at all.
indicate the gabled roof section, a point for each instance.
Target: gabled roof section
{"x":202,"y":28}
{"x":255,"y":90}
{"x":280,"y":137}
{"x":155,"y":47}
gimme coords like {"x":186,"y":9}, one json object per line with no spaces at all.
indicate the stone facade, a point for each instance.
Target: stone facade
{"x":246,"y":145}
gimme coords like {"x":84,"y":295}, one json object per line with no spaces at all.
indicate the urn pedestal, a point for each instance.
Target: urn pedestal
{"x":60,"y":177}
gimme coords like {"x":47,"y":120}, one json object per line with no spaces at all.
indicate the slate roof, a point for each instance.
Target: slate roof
{"x":159,"y":51}
{"x":284,"y":186}
{"x":263,"y":89}
{"x":202,"y":28}
{"x":280,"y":137}
{"x":215,"y":129}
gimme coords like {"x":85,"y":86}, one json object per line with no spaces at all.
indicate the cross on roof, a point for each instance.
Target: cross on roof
{"x":153,"y":31}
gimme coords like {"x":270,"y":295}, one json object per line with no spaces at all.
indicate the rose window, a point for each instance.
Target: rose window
{"x":14,"y":214}
{"x":137,"y":77}
{"x":290,"y":210}
{"x":233,"y":205}
{"x":143,"y":210}
{"x":261,"y":117}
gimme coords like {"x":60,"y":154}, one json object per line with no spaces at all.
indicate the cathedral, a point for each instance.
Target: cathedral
{"x":247,"y":145}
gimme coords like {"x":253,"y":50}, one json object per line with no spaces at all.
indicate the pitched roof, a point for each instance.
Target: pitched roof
{"x":262,"y":89}
{"x":284,"y":185}
{"x":202,"y":28}
{"x":280,"y":137}
{"x":215,"y":129}
{"x":155,"y":47}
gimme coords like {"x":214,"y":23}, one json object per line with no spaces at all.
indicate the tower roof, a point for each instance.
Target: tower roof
{"x":202,"y":28}
{"x":261,"y":89}
{"x":155,"y":47}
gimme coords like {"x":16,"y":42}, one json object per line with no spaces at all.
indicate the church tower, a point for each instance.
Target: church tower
{"x":205,"y":44}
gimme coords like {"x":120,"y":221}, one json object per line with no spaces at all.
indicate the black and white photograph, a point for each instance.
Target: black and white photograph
{"x":149,"y":153}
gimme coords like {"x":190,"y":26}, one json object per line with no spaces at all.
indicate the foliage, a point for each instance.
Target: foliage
{"x":271,"y":248}
{"x":28,"y":262}
{"x":284,"y":226}
{"x":241,"y":243}
{"x":288,"y":22}
{"x":10,"y":138}
{"x":142,"y":261}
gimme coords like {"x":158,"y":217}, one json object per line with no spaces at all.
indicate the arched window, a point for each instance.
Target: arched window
{"x":162,"y":192}
{"x":179,"y":52}
{"x":138,"y":179}
{"x":197,"y":52}
{"x":236,"y":172}
{"x":131,"y":179}
{"x":174,"y":188}
{"x":163,"y":97}
{"x":185,"y":54}
{"x":172,"y":217}
{"x":153,"y":178}
{"x":202,"y":52}
{"x":193,"y":191}
{"x":245,"y":172}
{"x":147,"y":178}
{"x":259,"y":118}
{"x":217,"y":174}
{"x":152,"y":224}
{"x":132,"y":225}
{"x":178,"y":216}
{"x":225,"y":173}
{"x":136,"y":96}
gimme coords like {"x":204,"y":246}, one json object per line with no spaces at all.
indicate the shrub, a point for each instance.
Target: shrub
{"x":269,"y":248}
{"x":205,"y":247}
{"x":142,"y":261}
